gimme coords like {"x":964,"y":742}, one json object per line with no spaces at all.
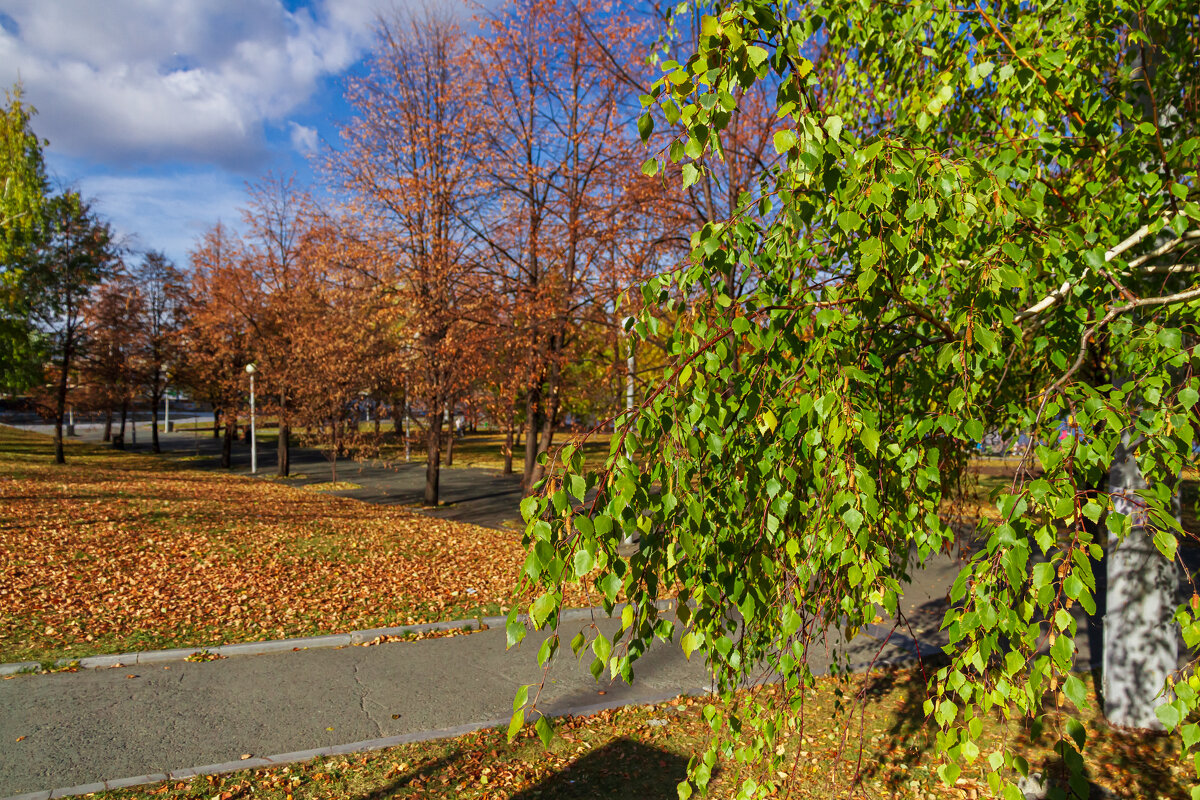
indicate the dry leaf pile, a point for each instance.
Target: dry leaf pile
{"x":117,"y":552}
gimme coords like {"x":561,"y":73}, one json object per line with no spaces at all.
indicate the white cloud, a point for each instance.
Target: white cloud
{"x":168,"y":211}
{"x":304,"y":138}
{"x":159,"y":109}
{"x":145,"y":81}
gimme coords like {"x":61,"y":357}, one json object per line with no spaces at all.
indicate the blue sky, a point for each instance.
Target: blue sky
{"x":161,"y":110}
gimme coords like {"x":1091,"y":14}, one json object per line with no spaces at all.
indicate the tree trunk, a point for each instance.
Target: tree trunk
{"x":60,"y":410}
{"x":450,"y":446}
{"x":154,"y":448}
{"x":508,"y":440}
{"x":284,"y":449}
{"x":433,"y":461}
{"x":107,"y":425}
{"x":216,"y":423}
{"x":333,"y":453}
{"x":1140,"y":636}
{"x":284,"y":445}
{"x":119,"y":442}
{"x":1140,"y":645}
{"x":227,"y":444}
{"x":543,"y":438}
{"x":531,"y":421}
{"x":546,"y":437}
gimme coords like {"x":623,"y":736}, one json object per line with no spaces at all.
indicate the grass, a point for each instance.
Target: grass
{"x":879,"y":749}
{"x":116,"y":552}
{"x":330,"y":486}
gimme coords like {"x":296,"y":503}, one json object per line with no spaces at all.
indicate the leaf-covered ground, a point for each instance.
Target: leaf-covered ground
{"x":117,"y":552}
{"x":641,"y":753}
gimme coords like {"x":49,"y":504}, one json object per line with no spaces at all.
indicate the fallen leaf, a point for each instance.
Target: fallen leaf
{"x":151,"y":549}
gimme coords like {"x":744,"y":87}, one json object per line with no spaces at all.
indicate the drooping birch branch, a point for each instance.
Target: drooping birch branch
{"x":1136,"y":237}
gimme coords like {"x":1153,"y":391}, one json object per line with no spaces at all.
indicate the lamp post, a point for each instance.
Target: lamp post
{"x":253,"y":433}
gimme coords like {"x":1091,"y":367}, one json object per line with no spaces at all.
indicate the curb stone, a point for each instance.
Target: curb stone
{"x":300,"y":643}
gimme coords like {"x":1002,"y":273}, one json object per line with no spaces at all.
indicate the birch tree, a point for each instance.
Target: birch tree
{"x":982,"y":217}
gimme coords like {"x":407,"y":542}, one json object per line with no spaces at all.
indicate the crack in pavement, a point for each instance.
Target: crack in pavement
{"x":362,"y":699}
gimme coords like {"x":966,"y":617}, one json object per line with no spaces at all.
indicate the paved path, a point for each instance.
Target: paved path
{"x":481,"y":496}
{"x":100,"y":725}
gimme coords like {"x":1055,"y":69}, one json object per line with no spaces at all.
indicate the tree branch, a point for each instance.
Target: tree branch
{"x":1137,"y":236}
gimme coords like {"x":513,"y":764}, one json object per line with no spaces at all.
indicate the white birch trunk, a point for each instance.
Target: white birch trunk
{"x":1140,"y":639}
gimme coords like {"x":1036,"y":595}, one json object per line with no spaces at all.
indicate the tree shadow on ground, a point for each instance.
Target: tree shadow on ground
{"x":402,"y":782}
{"x":623,"y":768}
{"x":908,"y":740}
{"x":1135,"y":764}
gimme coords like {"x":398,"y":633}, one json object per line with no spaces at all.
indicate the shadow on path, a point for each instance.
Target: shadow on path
{"x":484,"y":497}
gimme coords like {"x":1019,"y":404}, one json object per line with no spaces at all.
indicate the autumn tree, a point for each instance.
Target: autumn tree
{"x":278,"y":216}
{"x":407,"y":164}
{"x":215,"y":337}
{"x":107,"y":370}
{"x":979,"y":219}
{"x":59,"y":273}
{"x":553,"y":153}
{"x":342,"y":336}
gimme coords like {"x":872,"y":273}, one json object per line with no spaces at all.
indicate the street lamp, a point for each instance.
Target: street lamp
{"x":253,"y":433}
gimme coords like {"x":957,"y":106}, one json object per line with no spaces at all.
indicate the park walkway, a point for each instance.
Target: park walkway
{"x":479,"y":496}
{"x":148,"y":720}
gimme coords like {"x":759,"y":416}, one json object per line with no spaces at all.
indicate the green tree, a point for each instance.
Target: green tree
{"x":23,"y":190}
{"x":978,"y":219}
{"x":59,"y":273}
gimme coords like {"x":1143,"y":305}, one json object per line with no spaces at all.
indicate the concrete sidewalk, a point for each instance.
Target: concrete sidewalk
{"x":147,"y":721}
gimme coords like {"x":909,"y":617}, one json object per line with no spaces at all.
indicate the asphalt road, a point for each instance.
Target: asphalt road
{"x":106,"y":724}
{"x":480,"y":496}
